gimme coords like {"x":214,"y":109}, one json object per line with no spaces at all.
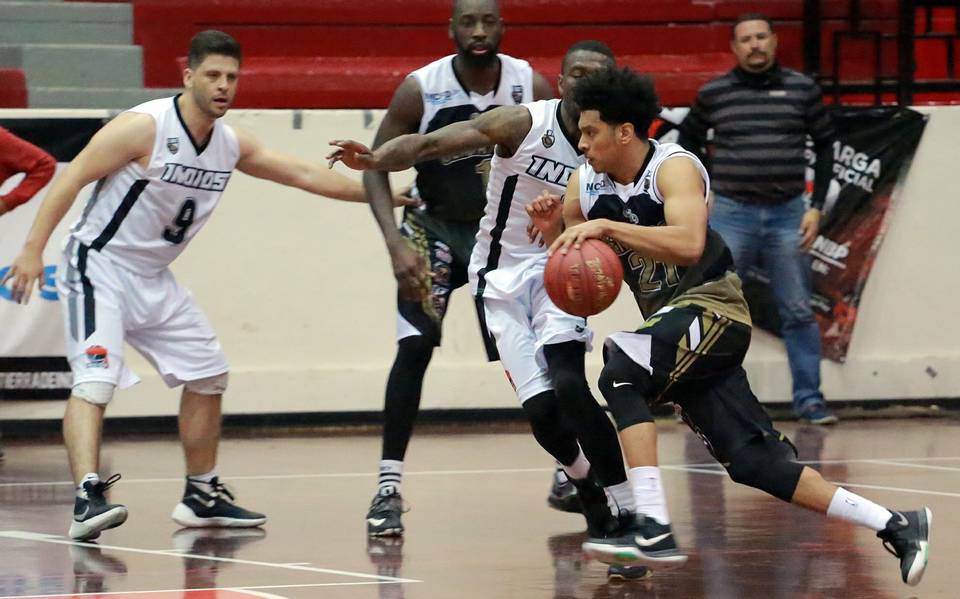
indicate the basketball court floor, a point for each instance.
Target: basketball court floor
{"x":478,"y":527}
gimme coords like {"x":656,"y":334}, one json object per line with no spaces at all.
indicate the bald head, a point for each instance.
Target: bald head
{"x":476,"y":28}
{"x":461,"y":7}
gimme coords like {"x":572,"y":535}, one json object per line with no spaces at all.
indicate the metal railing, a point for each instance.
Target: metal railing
{"x":900,"y":81}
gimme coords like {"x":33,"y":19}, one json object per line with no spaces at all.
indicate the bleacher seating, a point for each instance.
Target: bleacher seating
{"x":353,"y":53}
{"x":13,"y":88}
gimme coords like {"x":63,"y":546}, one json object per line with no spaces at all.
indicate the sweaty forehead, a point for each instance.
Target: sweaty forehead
{"x":476,"y":8}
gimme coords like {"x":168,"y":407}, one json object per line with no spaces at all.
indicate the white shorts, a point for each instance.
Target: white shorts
{"x":105,"y":305}
{"x":523,"y":324}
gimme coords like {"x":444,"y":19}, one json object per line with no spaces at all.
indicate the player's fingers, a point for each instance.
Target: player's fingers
{"x":27,"y":289}
{"x":333,"y":159}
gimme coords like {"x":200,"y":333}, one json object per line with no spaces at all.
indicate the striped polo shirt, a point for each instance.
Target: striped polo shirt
{"x":760,"y":123}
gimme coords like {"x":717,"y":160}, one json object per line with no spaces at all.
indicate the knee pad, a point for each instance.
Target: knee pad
{"x":767,"y":464}
{"x":97,"y":393}
{"x":212,"y":385}
{"x":627,"y":388}
{"x":542,"y":410}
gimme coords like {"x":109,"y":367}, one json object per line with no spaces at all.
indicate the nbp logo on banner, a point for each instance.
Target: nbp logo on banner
{"x":48,"y":286}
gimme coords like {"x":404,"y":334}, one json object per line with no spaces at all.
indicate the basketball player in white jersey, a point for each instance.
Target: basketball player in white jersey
{"x":649,"y":201}
{"x":541,"y":347}
{"x":430,"y":251}
{"x":161,"y":168}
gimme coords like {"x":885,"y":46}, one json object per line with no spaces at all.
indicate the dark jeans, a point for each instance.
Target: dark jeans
{"x":771,"y":234}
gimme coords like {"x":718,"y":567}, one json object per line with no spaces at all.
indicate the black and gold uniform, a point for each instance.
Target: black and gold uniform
{"x":696,"y":329}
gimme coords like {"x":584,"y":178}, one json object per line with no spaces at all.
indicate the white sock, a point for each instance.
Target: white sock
{"x":648,"y":491}
{"x":203,"y":481}
{"x":580,"y":467}
{"x":391,"y":475}
{"x":853,"y":508}
{"x":92,"y":477}
{"x":623,"y":498}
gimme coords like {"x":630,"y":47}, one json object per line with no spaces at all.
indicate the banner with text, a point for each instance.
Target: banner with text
{"x":872,"y":152}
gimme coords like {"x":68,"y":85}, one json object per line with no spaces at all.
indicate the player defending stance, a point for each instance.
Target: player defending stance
{"x":541,"y":347}
{"x":431,"y":250}
{"x":161,"y":168}
{"x":649,"y":201}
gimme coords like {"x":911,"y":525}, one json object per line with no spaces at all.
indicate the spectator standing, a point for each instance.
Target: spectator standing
{"x":761,"y":114}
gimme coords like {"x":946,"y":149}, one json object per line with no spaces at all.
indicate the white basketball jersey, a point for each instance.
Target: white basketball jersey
{"x":544,"y":161}
{"x":141,"y":219}
{"x":453,"y":187}
{"x":443,"y":90}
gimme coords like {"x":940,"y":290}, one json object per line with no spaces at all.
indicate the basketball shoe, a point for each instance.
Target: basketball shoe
{"x":907,"y":536}
{"x":199,"y":508}
{"x":383,"y":518}
{"x":563,"y":494}
{"x":638,"y":541}
{"x":91,"y":512}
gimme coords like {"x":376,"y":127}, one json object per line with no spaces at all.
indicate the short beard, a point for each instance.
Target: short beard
{"x":473,"y":61}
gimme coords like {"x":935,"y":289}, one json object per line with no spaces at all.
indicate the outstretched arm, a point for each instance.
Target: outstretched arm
{"x":257,"y":160}
{"x":127,"y":138}
{"x":505,"y":127}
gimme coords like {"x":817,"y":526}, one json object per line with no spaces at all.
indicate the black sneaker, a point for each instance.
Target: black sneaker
{"x":907,"y":536}
{"x":595,"y":507}
{"x":625,"y":573}
{"x":383,"y":518}
{"x":214,"y":509}
{"x":638,"y":541}
{"x":563,"y":494}
{"x":92,"y":513}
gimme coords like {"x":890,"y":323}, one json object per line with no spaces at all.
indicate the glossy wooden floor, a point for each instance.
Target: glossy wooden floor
{"x":478,"y":525}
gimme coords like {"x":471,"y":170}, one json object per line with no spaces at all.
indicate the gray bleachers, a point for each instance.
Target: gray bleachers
{"x":74,"y":54}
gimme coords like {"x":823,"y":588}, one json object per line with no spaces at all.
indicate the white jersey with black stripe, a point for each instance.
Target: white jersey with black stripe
{"x":453,"y":187}
{"x":142,"y":218}
{"x":543,"y":162}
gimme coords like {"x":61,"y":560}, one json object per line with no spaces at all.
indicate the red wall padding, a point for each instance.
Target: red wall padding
{"x":13,"y":88}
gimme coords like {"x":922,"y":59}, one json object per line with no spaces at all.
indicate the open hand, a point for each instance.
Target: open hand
{"x":546,"y":217}
{"x":26,"y":272}
{"x":352,"y":153}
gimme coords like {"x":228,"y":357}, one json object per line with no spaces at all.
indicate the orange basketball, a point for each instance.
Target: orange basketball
{"x":584,"y":282}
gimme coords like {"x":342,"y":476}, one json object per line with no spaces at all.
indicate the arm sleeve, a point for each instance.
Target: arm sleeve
{"x":19,"y":156}
{"x":822,"y":131}
{"x":693,"y":129}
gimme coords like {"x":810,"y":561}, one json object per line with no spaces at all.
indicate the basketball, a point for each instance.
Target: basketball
{"x":584,"y":282}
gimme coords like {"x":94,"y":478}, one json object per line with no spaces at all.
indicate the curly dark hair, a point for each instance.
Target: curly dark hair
{"x":620,"y":95}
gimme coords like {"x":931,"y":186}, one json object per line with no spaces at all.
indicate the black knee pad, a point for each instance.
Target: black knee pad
{"x":627,"y":388}
{"x":549,"y":429}
{"x":767,"y":464}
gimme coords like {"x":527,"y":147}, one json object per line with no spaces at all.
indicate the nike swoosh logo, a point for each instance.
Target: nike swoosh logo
{"x":206,"y":503}
{"x":376,"y":521}
{"x":903,"y":519}
{"x":650,"y":542}
{"x":82,"y":516}
{"x":616,"y":384}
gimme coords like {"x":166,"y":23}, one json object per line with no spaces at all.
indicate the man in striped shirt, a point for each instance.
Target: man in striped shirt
{"x":761,"y":114}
